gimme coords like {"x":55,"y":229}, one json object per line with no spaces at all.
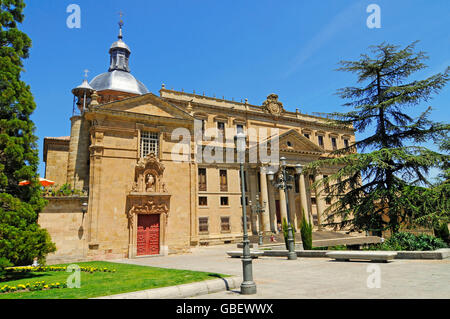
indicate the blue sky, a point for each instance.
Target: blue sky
{"x":236,"y":49}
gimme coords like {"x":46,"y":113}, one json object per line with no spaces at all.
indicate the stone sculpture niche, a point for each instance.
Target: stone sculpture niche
{"x":148,"y":176}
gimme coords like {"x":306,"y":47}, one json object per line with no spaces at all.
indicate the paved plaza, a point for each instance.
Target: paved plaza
{"x":316,"y":277}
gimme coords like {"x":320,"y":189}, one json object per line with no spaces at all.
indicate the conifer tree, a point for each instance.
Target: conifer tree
{"x":21,"y":238}
{"x":373,"y":190}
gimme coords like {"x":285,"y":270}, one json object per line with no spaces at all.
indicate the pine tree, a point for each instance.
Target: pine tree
{"x":21,"y":238}
{"x":374,"y":190}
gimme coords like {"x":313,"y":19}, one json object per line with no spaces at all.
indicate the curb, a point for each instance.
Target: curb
{"x":182,"y":291}
{"x":439,"y":254}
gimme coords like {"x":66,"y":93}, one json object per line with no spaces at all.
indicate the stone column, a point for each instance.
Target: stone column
{"x":273,"y":210}
{"x":320,"y":201}
{"x":265,"y":198}
{"x":292,"y":208}
{"x":252,"y":184}
{"x":303,"y":199}
{"x":283,"y":211}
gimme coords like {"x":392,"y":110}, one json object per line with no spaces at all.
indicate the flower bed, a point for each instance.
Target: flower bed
{"x":56,"y":268}
{"x":36,"y":286}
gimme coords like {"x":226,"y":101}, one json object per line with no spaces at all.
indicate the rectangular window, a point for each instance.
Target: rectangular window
{"x":246,"y":200}
{"x":203,"y":127}
{"x":239,"y":128}
{"x":328,"y":201}
{"x":320,"y":139}
{"x":149,"y":143}
{"x":202,"y":179}
{"x":313,"y":201}
{"x":203,"y":225}
{"x":224,"y":201}
{"x":203,"y":201}
{"x":225,"y":224}
{"x":297,"y":183}
{"x":223,"y":180}
{"x":334,"y":143}
{"x":259,"y":182}
{"x":346,"y":143}
{"x":221,"y":128}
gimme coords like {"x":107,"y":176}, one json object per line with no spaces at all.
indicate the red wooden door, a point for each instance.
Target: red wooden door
{"x":148,"y":235}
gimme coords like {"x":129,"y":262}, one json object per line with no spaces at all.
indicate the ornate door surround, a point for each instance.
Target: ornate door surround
{"x":148,"y":195}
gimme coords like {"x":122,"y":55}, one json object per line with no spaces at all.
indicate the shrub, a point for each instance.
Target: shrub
{"x":306,"y":232}
{"x":410,"y":242}
{"x":3,"y":264}
{"x":442,"y":232}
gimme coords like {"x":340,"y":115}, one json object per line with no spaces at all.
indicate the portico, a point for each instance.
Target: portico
{"x":298,"y":150}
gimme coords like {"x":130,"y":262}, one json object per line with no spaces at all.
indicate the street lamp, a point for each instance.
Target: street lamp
{"x":282,"y":183}
{"x":84,"y":208}
{"x":248,"y":286}
{"x":258,"y":209}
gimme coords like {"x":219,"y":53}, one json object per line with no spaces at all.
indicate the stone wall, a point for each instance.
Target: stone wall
{"x":56,"y":159}
{"x":64,"y":220}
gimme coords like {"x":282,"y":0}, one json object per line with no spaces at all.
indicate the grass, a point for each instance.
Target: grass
{"x":127,"y":278}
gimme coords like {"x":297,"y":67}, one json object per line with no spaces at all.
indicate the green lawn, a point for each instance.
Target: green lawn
{"x":127,"y":278}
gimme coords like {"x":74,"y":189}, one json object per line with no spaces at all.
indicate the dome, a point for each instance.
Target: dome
{"x":120,"y":44}
{"x":118,"y":77}
{"x":118,"y":81}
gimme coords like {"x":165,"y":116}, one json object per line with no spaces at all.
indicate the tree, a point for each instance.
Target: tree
{"x":21,"y":238}
{"x":373,"y":190}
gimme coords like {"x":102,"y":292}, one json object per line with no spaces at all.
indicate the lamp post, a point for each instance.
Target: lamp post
{"x":282,"y":183}
{"x":248,"y":286}
{"x":258,"y":209}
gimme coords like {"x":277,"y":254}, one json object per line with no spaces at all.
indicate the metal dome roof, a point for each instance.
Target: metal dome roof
{"x":118,"y":77}
{"x":118,"y":81}
{"x":119,"y":44}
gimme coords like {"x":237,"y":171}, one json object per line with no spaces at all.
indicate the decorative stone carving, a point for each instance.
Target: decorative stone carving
{"x":148,"y":204}
{"x":272,"y":105}
{"x":148,"y":176}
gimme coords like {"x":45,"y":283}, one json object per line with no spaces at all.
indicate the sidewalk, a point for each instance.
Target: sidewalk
{"x":315,"y":277}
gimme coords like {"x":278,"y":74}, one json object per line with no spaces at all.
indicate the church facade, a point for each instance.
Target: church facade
{"x":137,"y":199}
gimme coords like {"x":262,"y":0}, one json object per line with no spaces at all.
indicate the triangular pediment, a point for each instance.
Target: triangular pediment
{"x":148,"y":104}
{"x":294,"y":142}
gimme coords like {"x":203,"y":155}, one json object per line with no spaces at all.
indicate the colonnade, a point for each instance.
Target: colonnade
{"x":267,"y":221}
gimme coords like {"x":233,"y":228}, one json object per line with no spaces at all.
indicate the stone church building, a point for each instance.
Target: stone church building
{"x":135,"y":200}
